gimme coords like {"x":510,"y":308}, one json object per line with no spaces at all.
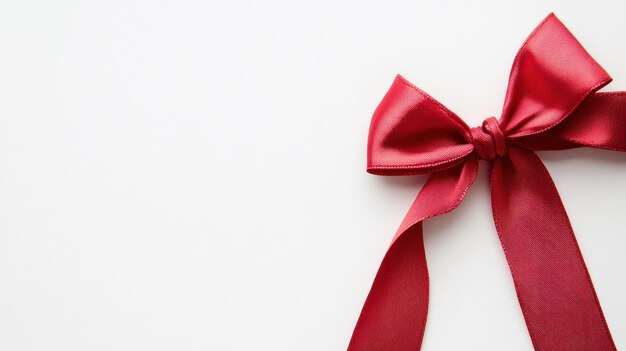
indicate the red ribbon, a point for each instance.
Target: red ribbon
{"x":551,"y":103}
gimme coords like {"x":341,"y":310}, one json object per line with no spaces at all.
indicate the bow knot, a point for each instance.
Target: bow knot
{"x":489,"y":140}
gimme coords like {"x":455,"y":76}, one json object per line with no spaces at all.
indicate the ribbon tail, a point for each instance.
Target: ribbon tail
{"x":394,"y":314}
{"x":553,"y":286}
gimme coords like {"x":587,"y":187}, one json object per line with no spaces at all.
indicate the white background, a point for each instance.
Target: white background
{"x":180,"y":175}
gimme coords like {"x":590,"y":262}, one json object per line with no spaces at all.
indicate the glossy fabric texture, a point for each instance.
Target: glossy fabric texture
{"x":551,"y":103}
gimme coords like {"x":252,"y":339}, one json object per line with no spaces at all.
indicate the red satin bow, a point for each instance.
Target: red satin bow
{"x":551,"y":103}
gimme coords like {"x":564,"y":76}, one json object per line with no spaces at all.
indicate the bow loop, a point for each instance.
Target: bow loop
{"x":413,"y":133}
{"x":551,"y":75}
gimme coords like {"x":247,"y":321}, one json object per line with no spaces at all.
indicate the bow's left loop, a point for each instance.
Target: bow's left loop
{"x":412,"y":133}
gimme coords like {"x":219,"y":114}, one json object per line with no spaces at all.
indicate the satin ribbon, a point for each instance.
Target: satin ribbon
{"x":551,"y":103}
